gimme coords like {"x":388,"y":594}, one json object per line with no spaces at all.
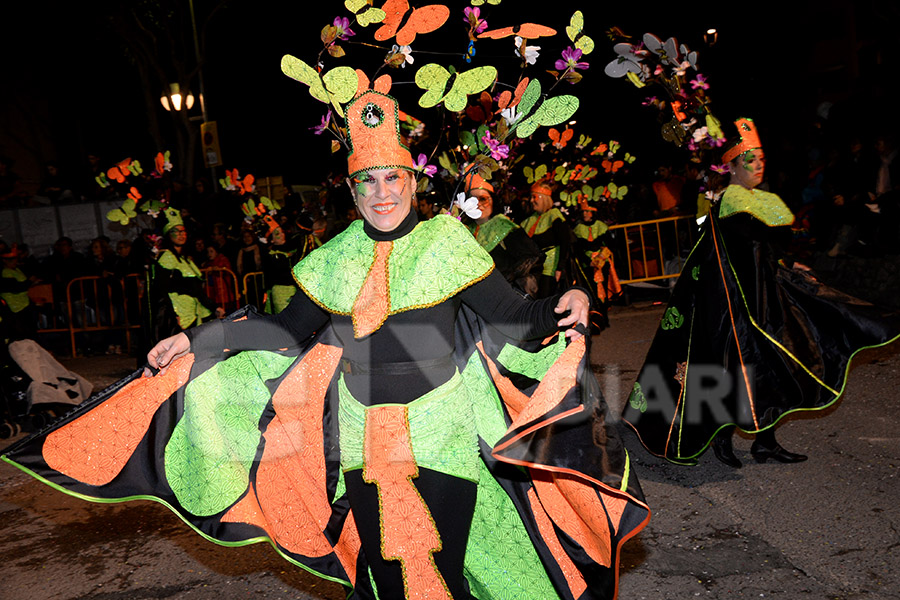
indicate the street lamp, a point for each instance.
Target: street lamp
{"x":174,"y":99}
{"x":711,"y":36}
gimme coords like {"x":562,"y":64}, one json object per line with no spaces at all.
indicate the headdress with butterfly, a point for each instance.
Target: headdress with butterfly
{"x":141,"y":191}
{"x":482,"y":117}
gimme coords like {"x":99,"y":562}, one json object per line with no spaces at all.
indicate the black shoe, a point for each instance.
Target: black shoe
{"x":777,"y":454}
{"x":724,"y":451}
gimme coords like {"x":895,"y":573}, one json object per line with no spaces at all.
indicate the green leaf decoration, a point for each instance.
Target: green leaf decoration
{"x":467,"y":138}
{"x":433,"y":78}
{"x":673,"y":319}
{"x":479,"y":134}
{"x":445,"y":162}
{"x":576,"y":35}
{"x":365,"y":17}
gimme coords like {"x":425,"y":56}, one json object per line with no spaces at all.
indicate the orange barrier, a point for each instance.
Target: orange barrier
{"x":644,"y":245}
{"x":254,"y":289}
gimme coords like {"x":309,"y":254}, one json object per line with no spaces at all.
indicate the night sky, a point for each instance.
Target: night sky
{"x":67,"y":74}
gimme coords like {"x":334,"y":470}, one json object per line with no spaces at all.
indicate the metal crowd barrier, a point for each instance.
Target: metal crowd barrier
{"x":652,"y":250}
{"x":96,"y":304}
{"x":254,"y":289}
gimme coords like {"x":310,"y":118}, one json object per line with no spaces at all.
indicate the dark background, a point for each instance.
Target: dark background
{"x":71,"y":86}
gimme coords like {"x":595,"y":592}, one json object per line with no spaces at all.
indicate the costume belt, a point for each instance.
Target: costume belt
{"x":351,"y":367}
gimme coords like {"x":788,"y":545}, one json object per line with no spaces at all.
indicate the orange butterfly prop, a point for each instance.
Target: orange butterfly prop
{"x":612,"y":167}
{"x":508,"y":99}
{"x":600,"y":149}
{"x":676,"y":108}
{"x":120,"y":171}
{"x":529,"y":31}
{"x":406,"y":22}
{"x":481,"y":113}
{"x":134,"y":194}
{"x":560,"y":139}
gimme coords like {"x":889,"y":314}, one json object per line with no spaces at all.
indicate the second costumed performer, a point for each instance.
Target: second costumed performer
{"x":383,"y":431}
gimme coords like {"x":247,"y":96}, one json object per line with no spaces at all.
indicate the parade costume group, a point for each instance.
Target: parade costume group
{"x":409,"y":425}
{"x":388,"y":430}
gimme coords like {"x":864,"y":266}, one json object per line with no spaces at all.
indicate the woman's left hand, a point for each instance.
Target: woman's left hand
{"x":579,"y":305}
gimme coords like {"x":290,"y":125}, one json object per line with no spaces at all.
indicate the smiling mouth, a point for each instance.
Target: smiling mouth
{"x":384,"y":209}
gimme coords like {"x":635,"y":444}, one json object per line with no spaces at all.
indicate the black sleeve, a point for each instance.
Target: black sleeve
{"x":562,"y":233}
{"x":297,"y":322}
{"x":516,"y":316}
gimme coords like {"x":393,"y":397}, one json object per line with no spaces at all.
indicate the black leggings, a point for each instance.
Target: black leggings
{"x":451,"y":502}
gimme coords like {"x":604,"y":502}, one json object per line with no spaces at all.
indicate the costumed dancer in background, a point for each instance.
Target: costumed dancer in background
{"x":278,"y":260}
{"x":176,"y":277}
{"x":515,"y":254}
{"x":594,"y":263}
{"x":548,"y":228}
{"x":748,"y":335}
{"x":392,"y":451}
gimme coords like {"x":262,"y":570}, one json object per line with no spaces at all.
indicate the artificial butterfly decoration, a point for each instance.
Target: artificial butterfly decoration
{"x":509,"y":99}
{"x":583,"y":141}
{"x":452,"y":89}
{"x":405,"y":23}
{"x":577,"y":36}
{"x":337,"y":86}
{"x":123,"y":169}
{"x":162,"y":163}
{"x":629,"y":158}
{"x":614,"y":192}
{"x":612,"y":166}
{"x":483,"y":111}
{"x":540,"y":111}
{"x":600,"y":149}
{"x":102,"y":180}
{"x":676,"y":110}
{"x":583,"y":173}
{"x":535,"y":174}
{"x":560,"y":139}
{"x":364,"y":12}
{"x":528,"y":31}
{"x":480,"y":2}
{"x":233,"y":182}
{"x":562,"y":175}
{"x":124,"y":214}
{"x":134,"y":194}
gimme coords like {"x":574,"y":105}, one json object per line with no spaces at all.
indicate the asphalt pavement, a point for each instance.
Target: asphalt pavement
{"x":823,"y":529}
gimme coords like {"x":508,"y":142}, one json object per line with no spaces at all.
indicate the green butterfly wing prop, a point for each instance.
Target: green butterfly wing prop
{"x":552,"y":111}
{"x":480,"y":2}
{"x":365,"y":17}
{"x":535,"y":174}
{"x":576,"y":35}
{"x":124,"y":214}
{"x":433,"y":78}
{"x":337,"y":86}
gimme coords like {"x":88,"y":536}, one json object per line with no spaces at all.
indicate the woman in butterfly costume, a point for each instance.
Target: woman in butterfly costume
{"x":384,"y":431}
{"x":748,"y":336}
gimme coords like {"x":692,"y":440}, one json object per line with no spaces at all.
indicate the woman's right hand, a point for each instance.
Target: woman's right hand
{"x":165,"y":352}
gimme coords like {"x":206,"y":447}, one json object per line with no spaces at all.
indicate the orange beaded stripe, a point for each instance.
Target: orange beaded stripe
{"x":373,"y":304}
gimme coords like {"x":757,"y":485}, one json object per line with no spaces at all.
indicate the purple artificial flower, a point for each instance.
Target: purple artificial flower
{"x":321,"y":127}
{"x":342,"y":24}
{"x":650,"y":101}
{"x":570,"y":58}
{"x":473,"y":18}
{"x":497,"y":150}
{"x":699,"y":82}
{"x":428,"y":170}
{"x":720,"y":168}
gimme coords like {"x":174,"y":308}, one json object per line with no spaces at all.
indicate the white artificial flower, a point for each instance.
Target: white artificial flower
{"x":510,"y":114}
{"x":531,"y":52}
{"x":406,"y":51}
{"x":468,"y":205}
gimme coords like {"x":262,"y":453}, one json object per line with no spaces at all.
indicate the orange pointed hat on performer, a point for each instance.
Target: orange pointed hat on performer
{"x":474,"y":181}
{"x":373,"y":129}
{"x":749,"y":140}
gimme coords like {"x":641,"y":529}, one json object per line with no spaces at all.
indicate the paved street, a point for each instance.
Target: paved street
{"x":823,"y":529}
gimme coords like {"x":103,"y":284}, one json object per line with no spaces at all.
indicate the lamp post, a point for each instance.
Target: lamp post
{"x":175,"y":100}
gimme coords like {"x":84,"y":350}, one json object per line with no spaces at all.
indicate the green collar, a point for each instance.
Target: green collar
{"x":494,"y":231}
{"x":430,"y":264}
{"x":590,"y":232}
{"x":765,"y":206}
{"x":537,"y":223}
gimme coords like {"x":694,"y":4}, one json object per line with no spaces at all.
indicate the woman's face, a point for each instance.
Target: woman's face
{"x":248,"y":238}
{"x":211,"y":252}
{"x":383,"y":196}
{"x":178,"y":235}
{"x":748,"y":168}
{"x":541,"y":202}
{"x":485,"y":203}
{"x":278,"y":236}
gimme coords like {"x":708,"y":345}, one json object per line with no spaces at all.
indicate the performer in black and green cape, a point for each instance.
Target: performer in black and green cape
{"x":382,"y":431}
{"x":516,"y":256}
{"x":548,"y":228}
{"x":748,"y":335}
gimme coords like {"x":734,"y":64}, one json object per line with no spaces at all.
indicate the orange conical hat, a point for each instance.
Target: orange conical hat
{"x":373,"y":132}
{"x":749,"y":140}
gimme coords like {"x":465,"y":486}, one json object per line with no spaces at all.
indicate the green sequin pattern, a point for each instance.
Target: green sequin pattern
{"x":501,"y":562}
{"x":488,"y":406}
{"x":441,"y":425}
{"x":493,"y":232}
{"x":432,"y":263}
{"x":188,"y":308}
{"x":531,"y":364}
{"x":208,"y":458}
{"x":765,"y":206}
